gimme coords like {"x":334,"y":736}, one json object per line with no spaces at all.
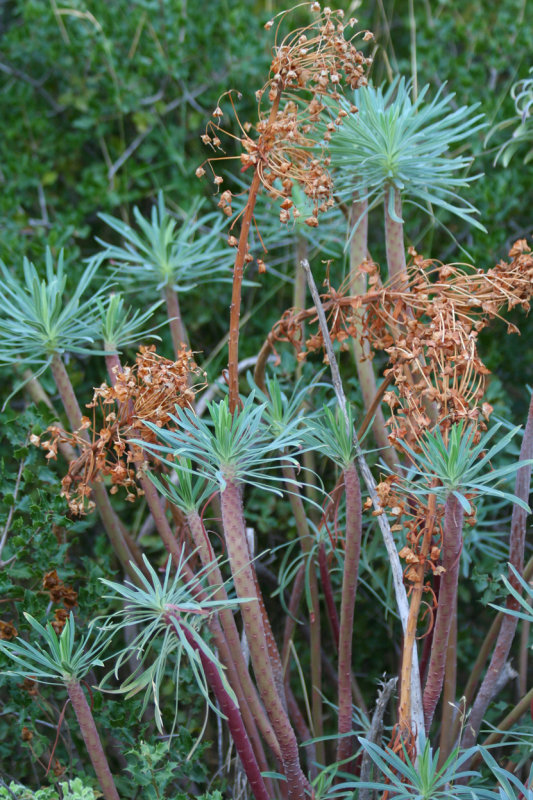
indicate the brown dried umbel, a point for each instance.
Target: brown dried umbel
{"x":309,"y":69}
{"x":148,"y":391}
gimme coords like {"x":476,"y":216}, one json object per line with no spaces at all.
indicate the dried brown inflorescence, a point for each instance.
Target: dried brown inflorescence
{"x":309,"y":69}
{"x":429,"y":329}
{"x":59,"y":593}
{"x":148,"y":391}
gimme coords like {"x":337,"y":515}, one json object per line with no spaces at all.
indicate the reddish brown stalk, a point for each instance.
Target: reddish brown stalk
{"x":517,"y":540}
{"x":290,"y":620}
{"x":235,"y":537}
{"x":306,"y":543}
{"x":238,"y":271}
{"x":231,"y":711}
{"x":412,"y":621}
{"x":451,"y":553}
{"x":303,"y":732}
{"x":327,"y":588}
{"x":449,"y":709}
{"x":352,"y":551}
{"x":92,"y":740}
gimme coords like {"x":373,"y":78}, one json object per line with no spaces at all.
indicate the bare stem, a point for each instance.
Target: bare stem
{"x":235,"y":537}
{"x":231,"y":711}
{"x":352,"y":554}
{"x":250,"y":700}
{"x":517,"y":541}
{"x":306,"y":544}
{"x":238,"y":271}
{"x":410,"y":633}
{"x":394,"y":241}
{"x":92,"y":740}
{"x":361,"y":347}
{"x":451,"y":554}
{"x":177,"y":328}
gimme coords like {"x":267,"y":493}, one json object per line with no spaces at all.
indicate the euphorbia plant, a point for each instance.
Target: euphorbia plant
{"x":65,"y":662}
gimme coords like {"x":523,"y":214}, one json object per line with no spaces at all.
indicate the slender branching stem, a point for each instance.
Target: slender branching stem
{"x":352,"y":552}
{"x":360,"y":345}
{"x":238,"y":272}
{"x":177,"y":327}
{"x":235,"y":537}
{"x":306,"y":544}
{"x":236,"y":726}
{"x":92,"y":740}
{"x":505,"y":638}
{"x":451,"y":553}
{"x":412,"y":621}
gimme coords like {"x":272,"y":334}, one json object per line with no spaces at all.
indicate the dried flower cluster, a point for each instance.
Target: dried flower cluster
{"x":429,"y":328}
{"x":147,"y":391}
{"x":59,"y":593}
{"x":309,"y":69}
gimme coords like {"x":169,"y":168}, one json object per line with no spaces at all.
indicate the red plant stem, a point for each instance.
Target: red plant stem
{"x":352,"y":552}
{"x":250,"y":703}
{"x":449,"y":710}
{"x":235,"y":537}
{"x":177,"y":328}
{"x":517,"y":540}
{"x":231,"y":711}
{"x":303,"y":732}
{"x":120,"y":541}
{"x":290,"y":621}
{"x":238,"y":271}
{"x":451,"y":553}
{"x":306,"y":543}
{"x":327,"y":588}
{"x":92,"y":740}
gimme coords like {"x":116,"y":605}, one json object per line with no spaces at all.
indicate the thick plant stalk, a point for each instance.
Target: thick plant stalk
{"x":394,"y":240}
{"x":361,"y":348}
{"x":352,"y":554}
{"x":92,"y":740}
{"x":238,"y":272}
{"x":122,"y":547}
{"x":249,"y":702}
{"x":333,"y":616}
{"x":306,"y":544}
{"x":234,"y":720}
{"x":417,"y":717}
{"x":449,"y":711}
{"x":235,"y":538}
{"x":177,"y":328}
{"x":412,"y":621}
{"x":451,"y":554}
{"x":517,"y":541}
